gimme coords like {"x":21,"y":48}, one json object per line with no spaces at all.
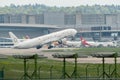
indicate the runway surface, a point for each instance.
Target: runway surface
{"x":32,"y":51}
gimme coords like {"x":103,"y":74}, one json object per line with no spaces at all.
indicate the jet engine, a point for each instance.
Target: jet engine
{"x":62,"y":41}
{"x":50,"y":46}
{"x":38,"y":47}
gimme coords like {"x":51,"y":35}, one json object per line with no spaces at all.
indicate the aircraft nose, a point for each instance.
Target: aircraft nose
{"x":75,"y":31}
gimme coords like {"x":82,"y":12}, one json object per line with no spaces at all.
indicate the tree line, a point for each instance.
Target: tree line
{"x":40,"y":8}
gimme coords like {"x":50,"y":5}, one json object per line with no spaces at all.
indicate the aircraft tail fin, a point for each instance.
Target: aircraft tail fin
{"x":14,"y":38}
{"x":84,"y":42}
{"x":27,"y":37}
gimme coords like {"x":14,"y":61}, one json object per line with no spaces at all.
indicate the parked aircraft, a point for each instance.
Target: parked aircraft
{"x":85,"y":43}
{"x":72,"y":43}
{"x":81,"y":42}
{"x":38,"y":42}
{"x":96,"y":43}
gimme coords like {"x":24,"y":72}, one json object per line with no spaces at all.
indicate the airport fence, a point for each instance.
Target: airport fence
{"x":88,"y":72}
{"x":29,"y":69}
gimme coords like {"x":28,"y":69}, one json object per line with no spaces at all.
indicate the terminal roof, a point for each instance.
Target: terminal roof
{"x":29,"y":25}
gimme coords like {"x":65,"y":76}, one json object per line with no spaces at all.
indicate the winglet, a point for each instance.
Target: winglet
{"x":14,"y":38}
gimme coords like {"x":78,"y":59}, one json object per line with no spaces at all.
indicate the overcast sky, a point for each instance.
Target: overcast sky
{"x":60,"y":3}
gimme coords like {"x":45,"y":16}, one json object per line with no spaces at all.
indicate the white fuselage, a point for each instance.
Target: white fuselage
{"x":45,"y":39}
{"x":73,"y":43}
{"x":104,"y":44}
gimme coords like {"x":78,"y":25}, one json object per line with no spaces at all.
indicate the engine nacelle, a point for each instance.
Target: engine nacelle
{"x":62,"y":41}
{"x":38,"y":47}
{"x":50,"y":46}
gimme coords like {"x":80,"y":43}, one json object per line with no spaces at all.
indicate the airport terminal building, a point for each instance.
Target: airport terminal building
{"x":94,"y":26}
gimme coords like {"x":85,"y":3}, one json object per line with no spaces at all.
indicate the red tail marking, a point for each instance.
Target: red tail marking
{"x":27,"y":37}
{"x":84,"y":42}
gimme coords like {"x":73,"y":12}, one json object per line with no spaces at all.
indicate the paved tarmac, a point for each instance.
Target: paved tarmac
{"x":10,"y":51}
{"x":32,"y":51}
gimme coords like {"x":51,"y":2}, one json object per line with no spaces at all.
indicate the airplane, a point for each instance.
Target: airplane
{"x":85,"y":43}
{"x":75,"y":44}
{"x":38,"y":42}
{"x":97,"y":44}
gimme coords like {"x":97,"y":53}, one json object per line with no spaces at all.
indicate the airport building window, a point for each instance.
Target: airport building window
{"x":15,"y":19}
{"x":1,"y":18}
{"x":101,"y":28}
{"x":92,"y":19}
{"x":70,"y":19}
{"x":106,"y":34}
{"x":39,"y":19}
